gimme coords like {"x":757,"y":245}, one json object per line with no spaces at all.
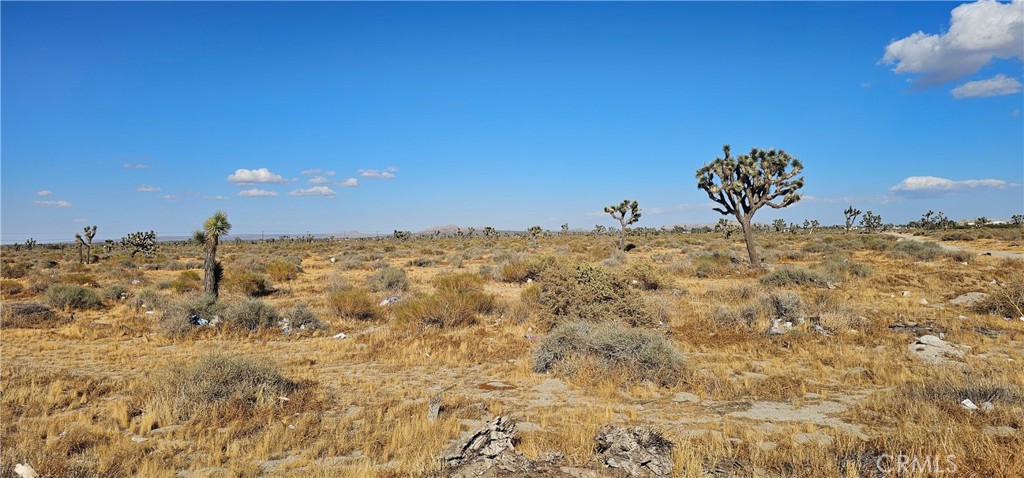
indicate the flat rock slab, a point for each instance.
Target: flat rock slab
{"x":818,"y":414}
{"x":933,"y":350}
{"x":969,"y":298}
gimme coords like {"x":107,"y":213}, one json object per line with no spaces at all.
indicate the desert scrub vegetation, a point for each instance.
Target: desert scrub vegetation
{"x":72,"y":297}
{"x":609,"y":350}
{"x":252,"y":284}
{"x":585,"y":292}
{"x":794,"y":275}
{"x":388,"y":279}
{"x":459,"y":300}
{"x":187,"y":281}
{"x":917,"y":251}
{"x":353,"y":303}
{"x":251,"y":315}
{"x":181,"y":316}
{"x":27,"y":315}
{"x":648,"y":275}
{"x":1006,"y":300}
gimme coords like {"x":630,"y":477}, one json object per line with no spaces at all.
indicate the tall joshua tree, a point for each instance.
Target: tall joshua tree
{"x":90,"y":232}
{"x":851,"y":214}
{"x":214,"y":227}
{"x":744,"y":184}
{"x":626,"y":213}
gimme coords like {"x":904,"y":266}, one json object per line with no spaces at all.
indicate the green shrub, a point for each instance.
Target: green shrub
{"x":252,"y":284}
{"x":961,"y":256}
{"x":187,"y":281}
{"x":299,"y":316}
{"x":353,"y":303}
{"x":116,"y":292}
{"x":792,"y":275}
{"x":521,"y":270}
{"x":1005,"y":300}
{"x":78,"y":279}
{"x":584,"y":292}
{"x":840,"y":265}
{"x":784,"y":305}
{"x":636,"y":353}
{"x":194,"y":388}
{"x":713,"y":264}
{"x":27,"y":315}
{"x":648,"y":276}
{"x":252,"y":314}
{"x":69,"y":297}
{"x":917,"y":251}
{"x":388,"y":279}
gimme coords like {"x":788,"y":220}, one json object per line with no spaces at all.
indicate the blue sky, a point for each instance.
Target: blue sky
{"x":133,"y":116}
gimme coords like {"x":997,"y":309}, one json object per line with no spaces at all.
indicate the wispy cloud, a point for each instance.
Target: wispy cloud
{"x":255,"y":192}
{"x":317,"y":172}
{"x":169,"y":197}
{"x":216,"y":198}
{"x":386,"y":173}
{"x":978,"y":33}
{"x":256,"y":176}
{"x":135,"y":166}
{"x":349,"y":183}
{"x":61,"y":203}
{"x":313,"y":191}
{"x":932,"y":186}
{"x":44,"y":193}
{"x":319,"y":180}
{"x":145,"y":188}
{"x":995,"y":86}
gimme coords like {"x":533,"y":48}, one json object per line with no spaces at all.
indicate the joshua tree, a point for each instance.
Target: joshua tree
{"x":1017,"y":219}
{"x":565,"y":228}
{"x":744,"y":184}
{"x":488,"y":231}
{"x":626,"y":213}
{"x":599,"y":229}
{"x":79,"y":243}
{"x":470,"y":231}
{"x":981,"y":221}
{"x":725,"y":227}
{"x":534,"y":232}
{"x":214,"y":227}
{"x":779,"y":225}
{"x":403,"y":235}
{"x":90,"y":232}
{"x":871,"y":221}
{"x":30,"y":243}
{"x":851,"y":214}
{"x":811,"y":225}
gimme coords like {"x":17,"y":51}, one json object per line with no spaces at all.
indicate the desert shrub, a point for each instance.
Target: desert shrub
{"x":78,"y":278}
{"x":187,"y":281}
{"x":615,"y":349}
{"x":181,"y":316}
{"x":736,"y":316}
{"x":282,"y":271}
{"x":116,"y":292}
{"x":196,"y":387}
{"x":349,"y":262}
{"x":792,"y":275}
{"x":353,"y":303}
{"x":422,"y":262}
{"x":390,"y":279}
{"x":648,"y":275}
{"x":149,"y":298}
{"x":252,"y":284}
{"x":521,"y":270}
{"x":14,"y":270}
{"x":918,"y":251}
{"x":299,"y":316}
{"x":252,"y":314}
{"x":712,"y":264}
{"x":784,"y":305}
{"x":69,"y":296}
{"x":1006,"y":300}
{"x":26,"y":315}
{"x":584,"y":292}
{"x":957,"y":236}
{"x":250,"y":262}
{"x":961,"y":256}
{"x":10,"y":288}
{"x":459,"y":301}
{"x":842,"y":266}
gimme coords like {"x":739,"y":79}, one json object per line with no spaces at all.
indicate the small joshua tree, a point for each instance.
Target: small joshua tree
{"x":30,"y":243}
{"x":871,"y":221}
{"x":981,"y":221}
{"x":90,"y":232}
{"x":811,"y":225}
{"x":851,"y":214}
{"x":144,"y":242}
{"x":215,"y":226}
{"x":744,"y":184}
{"x":79,"y":244}
{"x":1017,"y":219}
{"x":470,"y":231}
{"x":565,"y":228}
{"x":626,"y":213}
{"x":779,"y":225}
{"x":403,"y":235}
{"x":534,"y":232}
{"x":599,"y":229}
{"x":489,"y":231}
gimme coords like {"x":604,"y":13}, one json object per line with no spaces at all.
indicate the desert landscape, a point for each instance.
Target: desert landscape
{"x":372,"y":357}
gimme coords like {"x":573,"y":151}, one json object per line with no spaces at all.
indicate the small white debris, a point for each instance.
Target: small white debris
{"x":987,"y":407}
{"x":905,"y":293}
{"x":150,"y":312}
{"x":138,"y":439}
{"x":25,"y":471}
{"x":334,"y":260}
{"x":968,"y":404}
{"x":136,"y":282}
{"x":924,"y":302}
{"x":389,"y":301}
{"x":340,"y":335}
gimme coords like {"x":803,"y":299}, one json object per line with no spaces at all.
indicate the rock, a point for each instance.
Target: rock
{"x":138,"y":439}
{"x":333,"y":260}
{"x":389,"y":301}
{"x":484,"y":444}
{"x":969,"y":298}
{"x":987,"y":407}
{"x":905,"y":294}
{"x":25,"y":471}
{"x":340,"y":335}
{"x":686,"y":397}
{"x":1003,"y":431}
{"x":637,"y":451}
{"x":923,"y":302}
{"x":968,"y":404}
{"x":434,"y":407}
{"x":936,"y":351}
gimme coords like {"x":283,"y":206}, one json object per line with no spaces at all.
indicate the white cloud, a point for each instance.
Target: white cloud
{"x":61,"y":203}
{"x":931,"y":185}
{"x":216,"y":198}
{"x":256,"y":176}
{"x":257,"y":193}
{"x":995,"y":86}
{"x":44,"y":193}
{"x":80,"y":220}
{"x":169,"y":197}
{"x":978,"y":33}
{"x":317,"y":172}
{"x":145,"y":188}
{"x":135,"y":166}
{"x":387,"y":173}
{"x":313,"y":191}
{"x":349,"y":183}
{"x":319,"y":180}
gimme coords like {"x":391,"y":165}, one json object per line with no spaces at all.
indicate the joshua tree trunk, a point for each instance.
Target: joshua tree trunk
{"x":210,"y":267}
{"x":622,"y":234}
{"x":748,"y":237}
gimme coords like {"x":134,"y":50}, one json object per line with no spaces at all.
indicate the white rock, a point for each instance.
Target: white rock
{"x":25,"y":471}
{"x":340,"y":335}
{"x":987,"y":407}
{"x":924,"y":302}
{"x":905,"y":293}
{"x":968,"y":404}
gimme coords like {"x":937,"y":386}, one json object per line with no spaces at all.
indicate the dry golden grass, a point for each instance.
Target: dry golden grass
{"x":83,"y":397}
